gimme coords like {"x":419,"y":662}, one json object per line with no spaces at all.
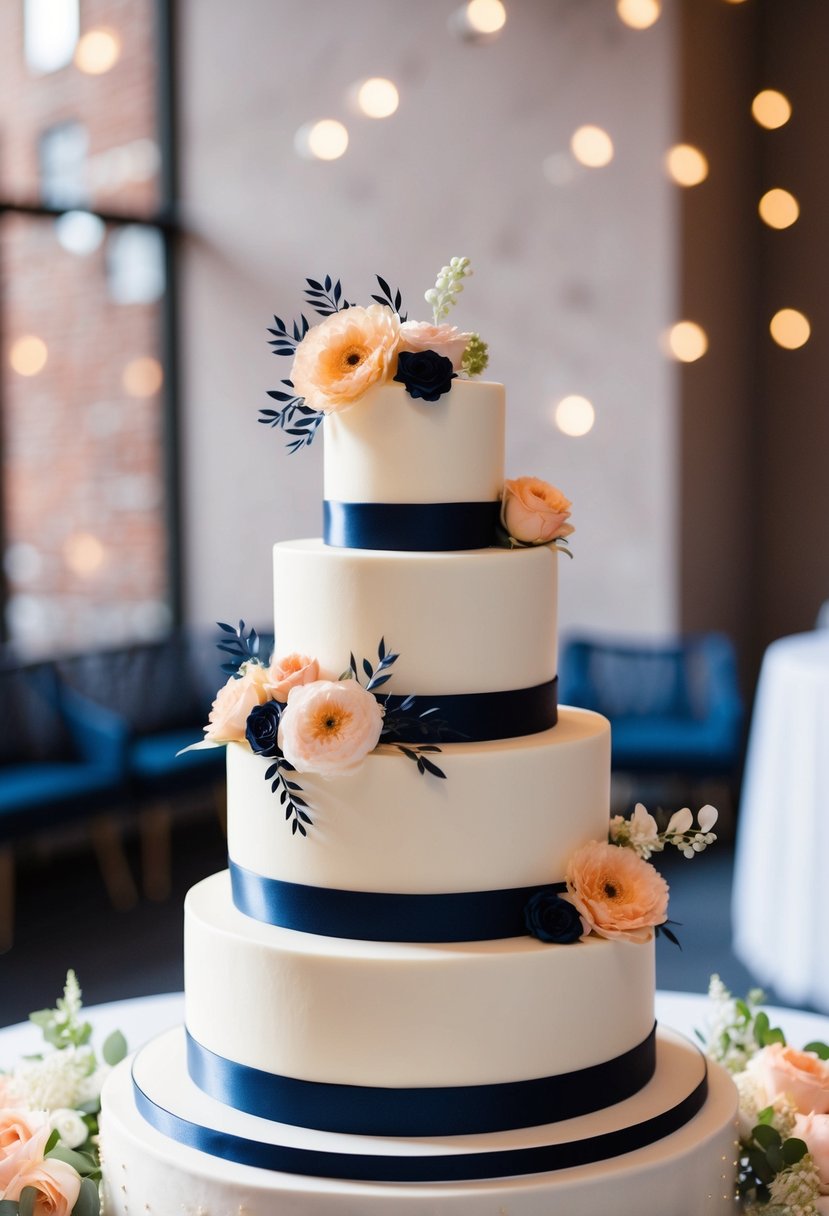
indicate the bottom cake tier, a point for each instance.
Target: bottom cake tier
{"x":169,"y":1149}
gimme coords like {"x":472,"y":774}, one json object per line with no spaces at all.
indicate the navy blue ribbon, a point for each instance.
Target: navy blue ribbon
{"x":430,"y":527}
{"x":446,"y":1110}
{"x":477,"y":717}
{"x":454,"y":1167}
{"x":383,"y":916}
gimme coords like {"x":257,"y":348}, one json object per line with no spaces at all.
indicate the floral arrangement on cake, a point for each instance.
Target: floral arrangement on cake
{"x":355,"y":348}
{"x":611,"y":889}
{"x":308,"y":721}
{"x":49,"y":1106}
{"x":783,"y":1167}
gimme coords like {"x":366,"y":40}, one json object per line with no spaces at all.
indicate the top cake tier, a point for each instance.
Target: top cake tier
{"x":407,"y":474}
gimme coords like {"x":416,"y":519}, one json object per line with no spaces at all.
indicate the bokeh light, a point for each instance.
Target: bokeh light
{"x":687,"y":341}
{"x":79,"y":232}
{"x":143,"y":377}
{"x":790,"y":329}
{"x":574,"y":415}
{"x":486,"y":16}
{"x":378,"y":97}
{"x":97,"y":52}
{"x":686,"y":165}
{"x":638,"y":14}
{"x":323,"y":140}
{"x":592,"y":146}
{"x":771,"y":109}
{"x":28,"y":355}
{"x":83,"y":553}
{"x":778,"y":208}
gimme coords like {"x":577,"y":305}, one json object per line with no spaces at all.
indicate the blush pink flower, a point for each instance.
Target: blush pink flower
{"x":800,"y":1076}
{"x":534,"y":512}
{"x":56,"y":1186}
{"x":23,"y":1136}
{"x":446,"y":340}
{"x":229,"y":715}
{"x":618,"y":894}
{"x":329,"y":727}
{"x":293,"y":670}
{"x":814,"y":1130}
{"x":341,"y":358}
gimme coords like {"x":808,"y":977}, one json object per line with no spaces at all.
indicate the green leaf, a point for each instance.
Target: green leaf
{"x":765,"y":1115}
{"x":794,"y":1150}
{"x":115,"y":1048}
{"x":774,"y":1035}
{"x":819,"y":1049}
{"x":26,"y":1205}
{"x":88,"y":1202}
{"x":760,"y":1166}
{"x":774,"y":1156}
{"x":8,"y":1207}
{"x":767,"y":1136}
{"x":761,"y":1025}
{"x":743,"y":1010}
{"x":81,"y":1163}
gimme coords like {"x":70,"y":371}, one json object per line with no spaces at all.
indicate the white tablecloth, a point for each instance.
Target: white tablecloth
{"x":781,"y":892}
{"x":143,"y":1017}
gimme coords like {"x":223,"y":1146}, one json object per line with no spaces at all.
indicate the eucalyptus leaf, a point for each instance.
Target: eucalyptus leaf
{"x":115,"y":1048}
{"x":81,"y":1163}
{"x":26,"y":1203}
{"x":767,"y":1136}
{"x":88,"y":1202}
{"x":794,"y":1149}
{"x":8,"y":1207}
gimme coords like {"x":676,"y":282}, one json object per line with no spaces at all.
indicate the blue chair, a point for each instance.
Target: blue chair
{"x":62,"y":759}
{"x":674,"y":708}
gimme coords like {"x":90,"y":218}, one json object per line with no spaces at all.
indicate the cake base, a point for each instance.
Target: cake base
{"x":688,"y":1172}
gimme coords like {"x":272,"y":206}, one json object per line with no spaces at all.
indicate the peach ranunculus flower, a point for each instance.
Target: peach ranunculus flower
{"x":446,"y":340}
{"x":285,"y":674}
{"x":618,"y":894}
{"x":814,"y":1130}
{"x":228,"y":717}
{"x":341,"y":358}
{"x":534,"y":512}
{"x":800,"y":1076}
{"x":23,"y":1136}
{"x":56,"y":1185}
{"x":329,"y":727}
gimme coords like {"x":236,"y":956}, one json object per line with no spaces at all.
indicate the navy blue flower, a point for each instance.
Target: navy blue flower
{"x":425,"y":373}
{"x":262,"y":727}
{"x":551,"y":918}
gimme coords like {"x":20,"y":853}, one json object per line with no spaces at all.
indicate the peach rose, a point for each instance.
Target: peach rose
{"x":329,"y":727}
{"x":617,"y":893}
{"x":814,"y":1130}
{"x":800,"y":1076}
{"x":341,"y":358}
{"x":446,"y":340}
{"x":23,"y":1136}
{"x":56,"y":1184}
{"x":285,"y":674}
{"x":535,"y":512}
{"x":229,"y":715}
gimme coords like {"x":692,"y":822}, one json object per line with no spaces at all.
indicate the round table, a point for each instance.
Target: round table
{"x":780,"y":905}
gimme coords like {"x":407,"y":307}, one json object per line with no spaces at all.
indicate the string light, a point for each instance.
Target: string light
{"x":143,"y":377}
{"x":771,"y":109}
{"x":638,"y":14}
{"x":687,"y":341}
{"x":686,"y":165}
{"x":574,"y":415}
{"x":790,"y":329}
{"x":778,"y":208}
{"x":592,"y":146}
{"x":97,"y":52}
{"x":323,"y":140}
{"x":28,"y":355}
{"x":378,"y":97}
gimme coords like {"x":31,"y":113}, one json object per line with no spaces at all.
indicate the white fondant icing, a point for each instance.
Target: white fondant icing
{"x":689,"y":1173}
{"x":390,"y":447}
{"x":509,"y":814}
{"x":402,"y":1014}
{"x":482,"y":621}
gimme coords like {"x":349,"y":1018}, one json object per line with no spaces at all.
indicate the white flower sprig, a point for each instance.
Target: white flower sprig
{"x":448,"y":284}
{"x":641,"y":832}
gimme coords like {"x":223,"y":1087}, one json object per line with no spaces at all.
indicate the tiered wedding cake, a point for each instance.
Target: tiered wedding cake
{"x":426,"y":984}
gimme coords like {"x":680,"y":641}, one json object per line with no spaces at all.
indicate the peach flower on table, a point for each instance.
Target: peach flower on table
{"x":341,"y":358}
{"x":56,"y":1186}
{"x":23,"y":1136}
{"x":289,"y":672}
{"x":446,"y":340}
{"x":535,"y":513}
{"x":227,"y":720}
{"x":329,"y":727}
{"x":618,"y":894}
{"x":799,"y":1076}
